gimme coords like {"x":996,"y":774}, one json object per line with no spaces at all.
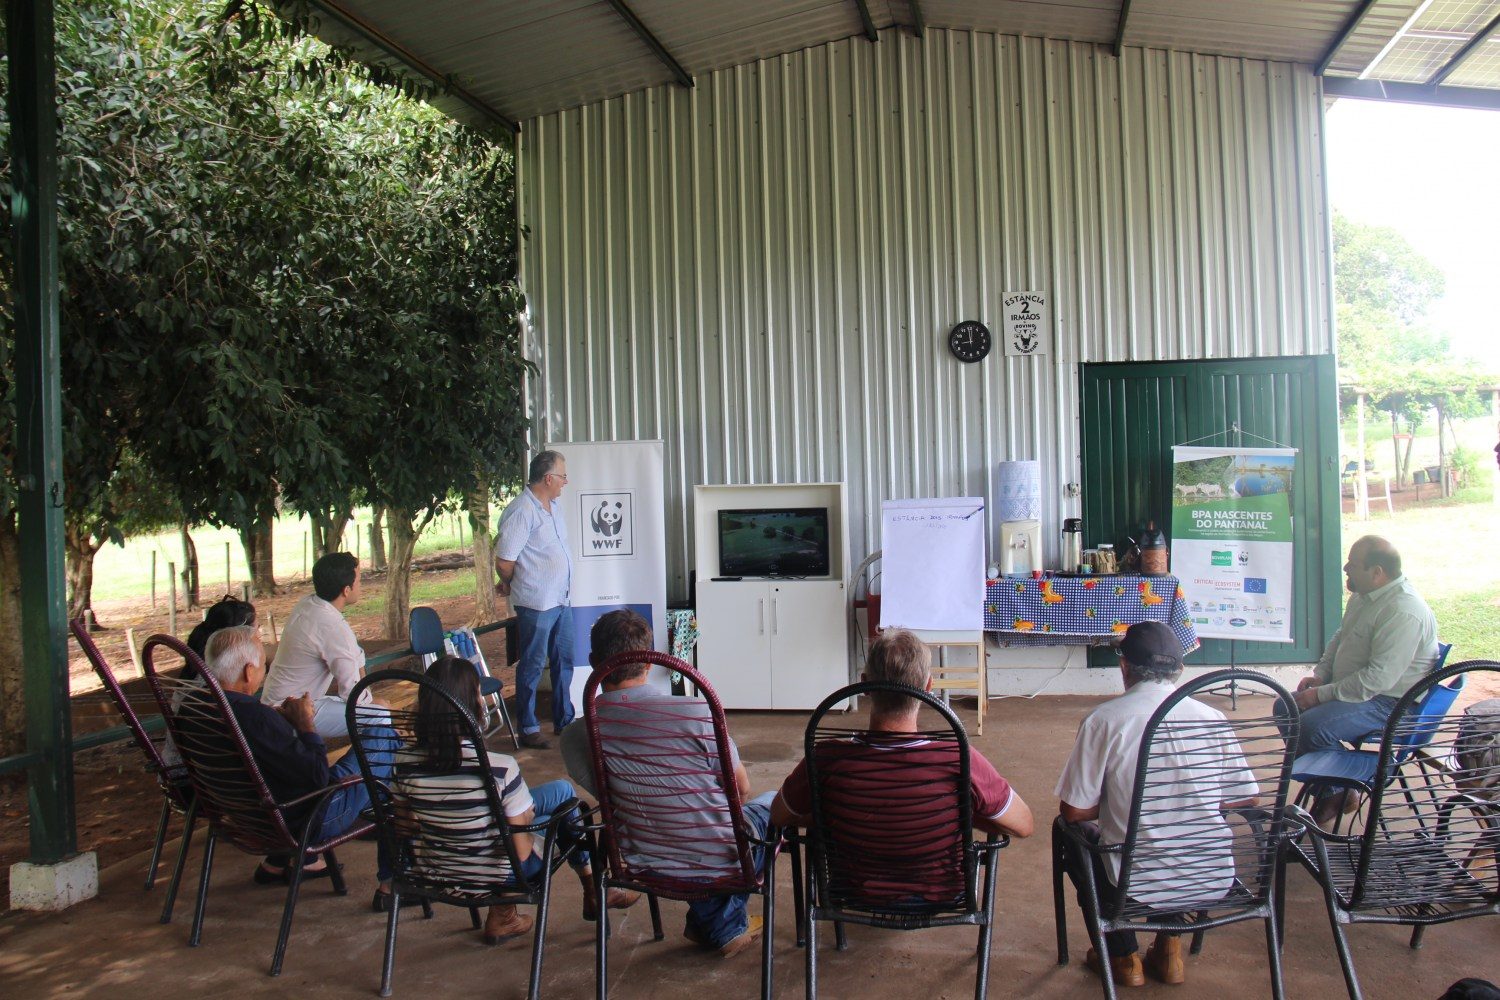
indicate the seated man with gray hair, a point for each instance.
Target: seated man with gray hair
{"x":1098,"y":782}
{"x":289,"y":752}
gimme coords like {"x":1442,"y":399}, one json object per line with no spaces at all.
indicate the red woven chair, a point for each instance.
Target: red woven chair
{"x":172,"y":779}
{"x":229,"y":792}
{"x":644,"y":771}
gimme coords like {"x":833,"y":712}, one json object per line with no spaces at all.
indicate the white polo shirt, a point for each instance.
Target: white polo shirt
{"x":1101,"y":771}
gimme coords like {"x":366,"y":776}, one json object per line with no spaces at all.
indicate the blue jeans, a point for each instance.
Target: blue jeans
{"x":1332,"y":724}
{"x":722,"y":919}
{"x":345,"y":805}
{"x":545,"y":800}
{"x":544,"y":636}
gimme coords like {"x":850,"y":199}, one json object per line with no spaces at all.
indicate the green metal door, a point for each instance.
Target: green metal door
{"x":1134,"y":413}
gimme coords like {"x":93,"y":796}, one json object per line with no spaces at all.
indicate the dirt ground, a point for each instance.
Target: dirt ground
{"x":117,"y":800}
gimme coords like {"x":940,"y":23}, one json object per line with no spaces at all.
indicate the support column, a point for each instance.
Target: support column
{"x":1361,"y":480}
{"x":1495,"y":414}
{"x":56,"y":875}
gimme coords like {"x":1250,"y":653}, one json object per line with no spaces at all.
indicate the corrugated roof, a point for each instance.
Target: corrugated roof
{"x":523,"y":58}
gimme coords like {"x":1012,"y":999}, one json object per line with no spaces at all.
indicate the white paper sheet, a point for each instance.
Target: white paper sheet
{"x":932,"y":564}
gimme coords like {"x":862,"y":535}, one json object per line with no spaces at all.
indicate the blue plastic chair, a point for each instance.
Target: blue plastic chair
{"x":429,"y":641}
{"x":1355,"y":767}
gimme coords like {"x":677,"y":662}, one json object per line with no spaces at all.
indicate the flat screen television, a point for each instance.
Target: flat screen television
{"x":781,"y":541}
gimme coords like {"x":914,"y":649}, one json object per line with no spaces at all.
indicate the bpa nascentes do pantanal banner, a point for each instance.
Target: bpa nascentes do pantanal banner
{"x":1232,"y":540}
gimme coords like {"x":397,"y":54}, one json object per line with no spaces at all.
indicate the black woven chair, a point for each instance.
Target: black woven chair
{"x":1186,"y":862}
{"x":444,"y":827}
{"x":171,"y":778}
{"x":900,"y":868}
{"x":1429,"y":852}
{"x":644,"y":771}
{"x":229,"y":792}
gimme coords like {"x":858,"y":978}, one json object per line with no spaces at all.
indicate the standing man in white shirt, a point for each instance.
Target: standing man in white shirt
{"x":318,"y":654}
{"x":535,"y":567}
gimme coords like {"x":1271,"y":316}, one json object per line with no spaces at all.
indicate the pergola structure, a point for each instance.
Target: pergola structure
{"x":502,"y":64}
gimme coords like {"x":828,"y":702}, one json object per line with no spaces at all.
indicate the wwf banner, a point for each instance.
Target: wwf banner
{"x":616,"y":515}
{"x":1232,"y":540}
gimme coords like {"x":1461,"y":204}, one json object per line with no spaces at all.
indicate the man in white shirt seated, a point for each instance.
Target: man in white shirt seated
{"x":1098,"y":781}
{"x":318,"y":654}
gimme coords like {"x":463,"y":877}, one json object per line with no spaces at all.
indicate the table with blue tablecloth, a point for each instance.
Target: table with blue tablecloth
{"x":1083,"y":610}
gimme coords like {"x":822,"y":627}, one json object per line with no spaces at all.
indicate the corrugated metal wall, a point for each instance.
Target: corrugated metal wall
{"x":762,"y":270}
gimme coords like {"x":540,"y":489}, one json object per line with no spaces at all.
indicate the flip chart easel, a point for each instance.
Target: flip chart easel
{"x":932,"y":567}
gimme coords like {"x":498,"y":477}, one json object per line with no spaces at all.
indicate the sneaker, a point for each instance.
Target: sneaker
{"x":535,"y":741}
{"x":735,"y":945}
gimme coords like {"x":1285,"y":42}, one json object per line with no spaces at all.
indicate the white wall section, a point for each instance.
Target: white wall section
{"x":761,"y":271}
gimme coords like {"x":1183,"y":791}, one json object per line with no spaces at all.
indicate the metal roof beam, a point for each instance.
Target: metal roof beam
{"x":412,"y":61}
{"x":1470,"y":47}
{"x":867,"y":20}
{"x":918,"y":22}
{"x":1411,"y":93}
{"x":684,"y":78}
{"x":1349,"y":28}
{"x":1120,"y":27}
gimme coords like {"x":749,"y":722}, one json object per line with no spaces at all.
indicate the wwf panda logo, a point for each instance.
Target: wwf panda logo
{"x":607,"y":518}
{"x":1244,"y":558}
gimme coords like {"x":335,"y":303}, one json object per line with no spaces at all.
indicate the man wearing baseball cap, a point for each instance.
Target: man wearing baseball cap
{"x":1096,"y":786}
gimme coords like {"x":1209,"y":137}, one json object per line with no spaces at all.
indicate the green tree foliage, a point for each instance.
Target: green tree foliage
{"x":285,"y":282}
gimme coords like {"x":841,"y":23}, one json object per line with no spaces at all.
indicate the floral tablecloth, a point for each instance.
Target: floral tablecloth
{"x":682,"y":628}
{"x":1071,"y":610}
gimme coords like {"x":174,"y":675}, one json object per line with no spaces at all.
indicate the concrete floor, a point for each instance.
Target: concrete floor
{"x":114,"y":946}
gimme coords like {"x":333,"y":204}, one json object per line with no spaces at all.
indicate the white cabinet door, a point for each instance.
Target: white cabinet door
{"x":734,"y":641}
{"x":809,"y":642}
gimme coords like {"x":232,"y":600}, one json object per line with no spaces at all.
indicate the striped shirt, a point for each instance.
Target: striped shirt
{"x":459,"y":839}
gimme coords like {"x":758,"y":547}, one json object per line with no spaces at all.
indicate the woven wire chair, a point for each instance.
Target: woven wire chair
{"x":229,"y":792}
{"x":444,"y":826}
{"x":655,"y":786}
{"x":891,"y":843}
{"x":1189,"y":861}
{"x":171,"y":778}
{"x":1429,"y":852}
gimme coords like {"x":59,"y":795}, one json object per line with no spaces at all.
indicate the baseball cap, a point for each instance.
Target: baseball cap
{"x":1151,"y":644}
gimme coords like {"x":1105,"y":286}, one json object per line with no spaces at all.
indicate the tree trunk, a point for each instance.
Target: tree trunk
{"x":377,"y":537}
{"x":477,"y":501}
{"x":80,"y":548}
{"x":12,"y":674}
{"x":1395,"y":450}
{"x":398,"y":580}
{"x":328,"y":531}
{"x":1405,"y":472}
{"x":257,"y":542}
{"x":1445,"y":486}
{"x":189,"y":574}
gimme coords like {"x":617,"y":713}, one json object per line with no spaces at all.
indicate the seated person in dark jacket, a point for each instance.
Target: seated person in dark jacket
{"x":291,"y":754}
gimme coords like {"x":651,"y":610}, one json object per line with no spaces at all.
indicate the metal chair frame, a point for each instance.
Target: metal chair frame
{"x":255,"y":822}
{"x":492,"y":695}
{"x":1361,"y":873}
{"x":408,"y":878}
{"x":176,"y":790}
{"x":611,"y":869}
{"x":1270,"y":825}
{"x":822,"y":901}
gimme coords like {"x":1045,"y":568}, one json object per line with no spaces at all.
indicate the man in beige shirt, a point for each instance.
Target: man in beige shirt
{"x":1386,"y":643}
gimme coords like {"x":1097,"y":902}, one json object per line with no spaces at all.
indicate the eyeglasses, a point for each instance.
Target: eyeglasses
{"x":559,"y":475}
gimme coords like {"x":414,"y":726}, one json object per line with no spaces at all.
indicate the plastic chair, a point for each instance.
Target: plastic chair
{"x":1420,"y":857}
{"x":1354,"y":767}
{"x":645,"y":768}
{"x":429,"y":641}
{"x":1188,"y":863}
{"x":172,"y":779}
{"x":231,"y":795}
{"x":904,"y":869}
{"x":444,"y":825}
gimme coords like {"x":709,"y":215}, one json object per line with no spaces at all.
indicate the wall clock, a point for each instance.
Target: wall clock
{"x":969,"y":341}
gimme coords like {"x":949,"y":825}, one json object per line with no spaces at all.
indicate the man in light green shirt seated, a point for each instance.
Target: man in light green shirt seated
{"x":1386,"y":643}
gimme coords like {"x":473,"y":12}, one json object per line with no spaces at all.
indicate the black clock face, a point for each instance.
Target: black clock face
{"x":969,"y":341}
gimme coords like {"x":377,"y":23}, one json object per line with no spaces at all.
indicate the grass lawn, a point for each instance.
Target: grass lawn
{"x":1448,"y":550}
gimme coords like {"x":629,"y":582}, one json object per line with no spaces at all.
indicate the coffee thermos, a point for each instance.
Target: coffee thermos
{"x":1072,"y":545}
